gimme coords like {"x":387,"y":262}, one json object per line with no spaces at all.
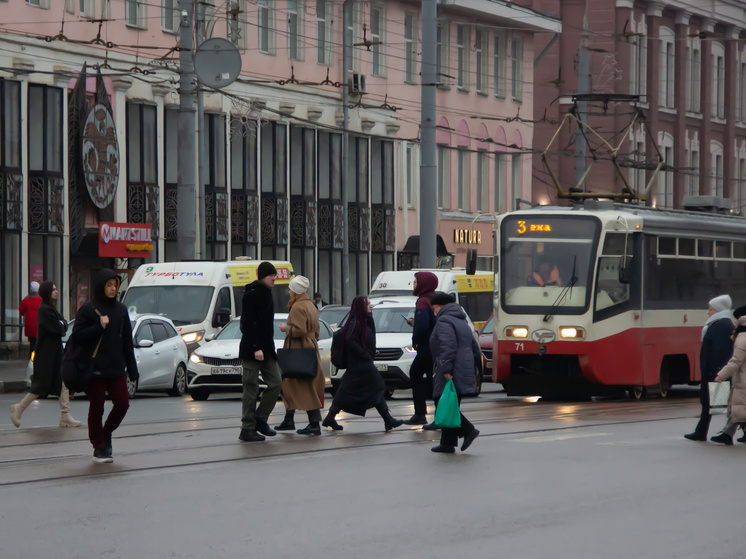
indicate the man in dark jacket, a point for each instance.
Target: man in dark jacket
{"x":421,"y":371}
{"x":257,"y":350}
{"x":103,"y":327}
{"x":454,"y":352}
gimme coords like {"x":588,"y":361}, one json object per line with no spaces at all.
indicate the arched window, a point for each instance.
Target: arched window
{"x":716,"y":168}
{"x":664,"y":196}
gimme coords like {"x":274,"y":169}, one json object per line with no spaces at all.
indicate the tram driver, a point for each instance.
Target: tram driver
{"x":546,"y":273}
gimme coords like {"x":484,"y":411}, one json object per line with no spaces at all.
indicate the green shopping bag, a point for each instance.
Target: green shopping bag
{"x":447,"y":414}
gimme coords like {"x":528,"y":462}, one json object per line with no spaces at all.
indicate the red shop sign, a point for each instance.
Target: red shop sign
{"x":124,"y":240}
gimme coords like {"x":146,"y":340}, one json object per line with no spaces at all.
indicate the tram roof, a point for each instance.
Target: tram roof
{"x":667,"y":221}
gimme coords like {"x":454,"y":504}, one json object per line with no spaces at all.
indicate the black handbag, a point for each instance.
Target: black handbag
{"x":77,"y":367}
{"x":298,"y":362}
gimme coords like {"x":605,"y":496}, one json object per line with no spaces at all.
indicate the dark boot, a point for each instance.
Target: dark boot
{"x":388,"y":421}
{"x":723,"y":438}
{"x":416,"y":420}
{"x":288,"y":424}
{"x":265,"y":429}
{"x":330,"y":419}
{"x":250,"y":436}
{"x":695,"y":437}
{"x":311,"y":429}
{"x":107,"y":444}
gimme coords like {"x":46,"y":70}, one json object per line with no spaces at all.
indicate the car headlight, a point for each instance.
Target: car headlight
{"x":516,"y":332}
{"x":192,"y":337}
{"x":194,"y":358}
{"x":411,"y":350}
{"x":571,"y":333}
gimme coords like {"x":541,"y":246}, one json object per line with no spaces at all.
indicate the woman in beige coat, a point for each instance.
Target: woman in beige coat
{"x":302,"y":330}
{"x":735,"y":370}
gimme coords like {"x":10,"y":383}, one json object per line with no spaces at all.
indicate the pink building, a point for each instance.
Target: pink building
{"x":686,"y":60}
{"x":274,"y":170}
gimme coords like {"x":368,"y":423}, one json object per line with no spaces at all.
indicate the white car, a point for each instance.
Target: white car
{"x":160,"y":352}
{"x":394,"y":351}
{"x":216,"y":366}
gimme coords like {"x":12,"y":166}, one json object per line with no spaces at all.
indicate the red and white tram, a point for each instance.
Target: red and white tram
{"x":604,"y":297}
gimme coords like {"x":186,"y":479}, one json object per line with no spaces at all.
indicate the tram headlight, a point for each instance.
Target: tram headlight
{"x":516,"y":332}
{"x":571,"y":333}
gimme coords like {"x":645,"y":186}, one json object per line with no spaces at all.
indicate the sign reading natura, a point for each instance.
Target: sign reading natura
{"x":470,"y":236}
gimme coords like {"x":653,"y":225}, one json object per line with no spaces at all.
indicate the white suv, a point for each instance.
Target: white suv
{"x":394,"y":351}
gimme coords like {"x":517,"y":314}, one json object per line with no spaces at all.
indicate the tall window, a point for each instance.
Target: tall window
{"x":383,"y":230}
{"x":639,"y":58}
{"x":481,"y":54}
{"x":135,"y":13}
{"x":170,"y":15}
{"x":482,"y":177}
{"x":516,"y":178}
{"x":331,"y":216}
{"x":441,"y":55}
{"x":377,"y":27}
{"x":410,"y":48}
{"x":11,"y":207}
{"x":516,"y":67}
{"x":216,"y":192}
{"x":716,"y":171}
{"x":462,"y":56}
{"x":498,"y":59}
{"x":303,"y":200}
{"x":739,"y":192}
{"x":235,"y":22}
{"x":694,"y":164}
{"x":143,"y":205}
{"x":409,"y":163}
{"x":741,"y":112}
{"x":667,"y":82}
{"x":274,"y":209}
{"x":463,"y":179}
{"x":265,"y":25}
{"x":323,"y":31}
{"x":171,"y":184}
{"x":637,"y":173}
{"x":244,"y":196}
{"x":444,"y":175}
{"x":87,"y":8}
{"x":718,"y":80}
{"x":664,"y":197}
{"x":295,"y":29}
{"x":501,"y":182}
{"x":693,"y":74}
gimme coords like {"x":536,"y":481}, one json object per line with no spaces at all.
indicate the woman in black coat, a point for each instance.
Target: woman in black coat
{"x":47,"y":377}
{"x":362,"y":387}
{"x":717,"y":347}
{"x":103,"y":327}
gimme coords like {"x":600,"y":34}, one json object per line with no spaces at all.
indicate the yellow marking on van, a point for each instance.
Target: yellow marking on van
{"x":477,"y":283}
{"x":245,"y":274}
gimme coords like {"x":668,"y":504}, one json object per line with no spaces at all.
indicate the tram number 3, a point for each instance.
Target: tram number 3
{"x":519,"y":346}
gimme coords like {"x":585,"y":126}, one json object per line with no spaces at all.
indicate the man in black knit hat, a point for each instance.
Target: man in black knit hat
{"x":257,"y":351}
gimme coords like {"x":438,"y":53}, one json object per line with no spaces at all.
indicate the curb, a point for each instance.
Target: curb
{"x":12,"y":386}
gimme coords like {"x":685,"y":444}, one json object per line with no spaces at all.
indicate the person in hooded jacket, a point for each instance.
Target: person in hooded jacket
{"x":735,"y":370}
{"x":454,"y":352}
{"x":302,"y":331}
{"x":47,"y":376}
{"x":717,"y":347}
{"x":421,"y":371}
{"x":362,"y":386}
{"x":105,"y":323}
{"x":257,"y":350}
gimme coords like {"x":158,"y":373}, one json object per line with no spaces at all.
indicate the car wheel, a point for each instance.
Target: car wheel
{"x":180,"y":382}
{"x":199,"y":394}
{"x":131,"y":387}
{"x":637,"y":392}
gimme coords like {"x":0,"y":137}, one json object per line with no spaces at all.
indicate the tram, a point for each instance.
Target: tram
{"x":605,"y":297}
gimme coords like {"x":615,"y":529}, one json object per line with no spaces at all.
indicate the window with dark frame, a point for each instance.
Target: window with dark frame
{"x":303,"y":207}
{"x":274,"y":200}
{"x":244,"y":195}
{"x":331,"y":216}
{"x":216,"y":191}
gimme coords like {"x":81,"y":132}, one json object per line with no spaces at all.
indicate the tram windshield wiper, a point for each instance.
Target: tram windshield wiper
{"x":561,"y":296}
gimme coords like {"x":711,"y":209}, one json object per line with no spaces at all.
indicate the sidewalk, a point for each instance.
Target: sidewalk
{"x":13,"y":375}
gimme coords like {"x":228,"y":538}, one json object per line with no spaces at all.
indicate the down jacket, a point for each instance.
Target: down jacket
{"x":454,"y":351}
{"x":735,"y":370}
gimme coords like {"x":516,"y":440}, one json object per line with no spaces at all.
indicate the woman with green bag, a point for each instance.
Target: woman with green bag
{"x":454,"y":349}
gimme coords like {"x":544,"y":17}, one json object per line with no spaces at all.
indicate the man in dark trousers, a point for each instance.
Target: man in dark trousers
{"x":421,"y":371}
{"x":257,"y":351}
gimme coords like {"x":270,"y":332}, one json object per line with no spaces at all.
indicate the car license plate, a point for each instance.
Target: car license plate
{"x":227,"y":370}
{"x":382,"y":367}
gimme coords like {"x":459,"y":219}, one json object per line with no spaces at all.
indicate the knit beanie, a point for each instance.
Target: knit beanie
{"x":721,"y":303}
{"x":299,"y":285}
{"x":265,"y":269}
{"x":442,"y":299}
{"x":34,"y":287}
{"x":739,"y":312}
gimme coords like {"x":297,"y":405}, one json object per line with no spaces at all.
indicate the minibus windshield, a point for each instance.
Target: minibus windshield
{"x":183,"y":304}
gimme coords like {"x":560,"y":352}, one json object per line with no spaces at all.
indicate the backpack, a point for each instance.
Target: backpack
{"x":338,"y":354}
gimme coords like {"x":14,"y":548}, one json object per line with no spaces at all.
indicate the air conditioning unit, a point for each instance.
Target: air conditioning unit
{"x":357,"y":84}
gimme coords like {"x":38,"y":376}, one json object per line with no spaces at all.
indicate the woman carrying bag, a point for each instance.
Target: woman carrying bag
{"x":302,"y":331}
{"x":735,"y":370}
{"x":454,"y":349}
{"x":47,"y":376}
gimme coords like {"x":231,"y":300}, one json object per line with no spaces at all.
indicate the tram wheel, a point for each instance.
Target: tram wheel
{"x":664,"y":385}
{"x":637,"y":392}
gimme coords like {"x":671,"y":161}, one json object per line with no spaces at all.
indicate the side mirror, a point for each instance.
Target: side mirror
{"x":625,"y":272}
{"x":145,"y":344}
{"x":222,"y":317}
{"x":471,"y":261}
{"x":209,"y":337}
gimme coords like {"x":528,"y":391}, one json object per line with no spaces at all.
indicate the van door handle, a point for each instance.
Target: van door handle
{"x":157,"y":352}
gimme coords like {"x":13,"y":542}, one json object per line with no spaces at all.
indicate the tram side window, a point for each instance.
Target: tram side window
{"x":609,"y":290}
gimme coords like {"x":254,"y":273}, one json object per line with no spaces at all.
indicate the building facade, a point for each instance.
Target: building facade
{"x":274,"y":169}
{"x":686,"y":62}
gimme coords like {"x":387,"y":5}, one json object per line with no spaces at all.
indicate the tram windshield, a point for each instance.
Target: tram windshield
{"x":546,"y":263}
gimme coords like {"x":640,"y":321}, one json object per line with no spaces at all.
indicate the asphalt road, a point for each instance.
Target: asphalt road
{"x":601,"y":479}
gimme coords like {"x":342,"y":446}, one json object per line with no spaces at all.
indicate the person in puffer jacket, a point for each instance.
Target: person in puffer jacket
{"x":454,"y":352}
{"x":735,"y":370}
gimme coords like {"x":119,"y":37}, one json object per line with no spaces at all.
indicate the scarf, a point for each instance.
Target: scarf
{"x":717,"y":316}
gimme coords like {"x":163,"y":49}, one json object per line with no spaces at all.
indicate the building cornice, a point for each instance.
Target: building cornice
{"x":683,"y":17}
{"x":655,"y":9}
{"x":519,"y":16}
{"x":626,"y":4}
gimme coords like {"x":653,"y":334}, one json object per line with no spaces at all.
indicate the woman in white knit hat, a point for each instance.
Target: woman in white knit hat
{"x":302,"y":330}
